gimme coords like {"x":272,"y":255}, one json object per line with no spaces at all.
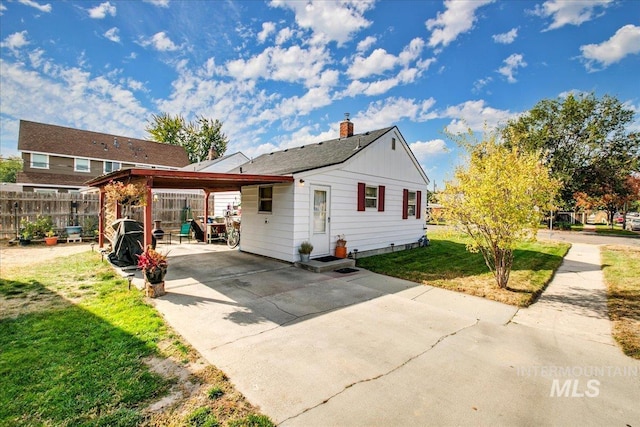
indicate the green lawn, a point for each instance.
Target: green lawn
{"x":621,"y":269}
{"x":447,"y":264}
{"x":616,"y":231}
{"x":75,"y":347}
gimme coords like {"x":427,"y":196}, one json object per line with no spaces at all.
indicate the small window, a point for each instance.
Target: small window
{"x":45,"y":190}
{"x":393,"y":143}
{"x":371,"y":197}
{"x":265,"y":199}
{"x":40,"y":161}
{"x":82,"y":165}
{"x":411,"y":204}
{"x":111,"y":166}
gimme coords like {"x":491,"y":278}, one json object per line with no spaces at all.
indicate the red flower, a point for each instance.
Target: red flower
{"x":150,"y":260}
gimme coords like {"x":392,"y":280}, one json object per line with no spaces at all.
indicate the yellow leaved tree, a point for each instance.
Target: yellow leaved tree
{"x":498,"y":199}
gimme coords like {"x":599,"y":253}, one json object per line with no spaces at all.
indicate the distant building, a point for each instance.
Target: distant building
{"x":62,"y":159}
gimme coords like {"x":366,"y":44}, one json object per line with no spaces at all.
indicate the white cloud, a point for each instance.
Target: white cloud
{"x":69,"y":97}
{"x":2,"y":8}
{"x":475,"y":115}
{"x":506,"y":38}
{"x":564,"y":12}
{"x":160,"y":41}
{"x":15,"y":41}
{"x":480,"y":83}
{"x":364,"y":45}
{"x":391,"y":110}
{"x":626,"y":41}
{"x":377,"y":63}
{"x":292,"y":64}
{"x":511,"y":65}
{"x":41,"y":7}
{"x":412,"y":51}
{"x":159,"y":3}
{"x":330,"y":20}
{"x":425,"y":149}
{"x":284,"y":35}
{"x":267,"y":29}
{"x":458,"y":18}
{"x":112,"y":34}
{"x":102,"y":10}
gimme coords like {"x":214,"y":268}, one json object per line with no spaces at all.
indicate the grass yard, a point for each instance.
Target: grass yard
{"x":79,"y":349}
{"x":447,"y":264}
{"x":621,"y":268}
{"x":615,"y":231}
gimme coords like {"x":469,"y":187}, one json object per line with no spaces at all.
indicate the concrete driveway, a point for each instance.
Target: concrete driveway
{"x":362,"y":349}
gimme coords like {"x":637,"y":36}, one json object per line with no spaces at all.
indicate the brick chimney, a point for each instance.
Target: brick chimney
{"x":346,"y":127}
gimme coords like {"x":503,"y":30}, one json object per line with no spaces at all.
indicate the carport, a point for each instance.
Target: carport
{"x":208,"y":182}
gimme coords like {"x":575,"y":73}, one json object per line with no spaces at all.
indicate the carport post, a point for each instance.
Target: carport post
{"x":147,"y":214}
{"x":101,"y":218}
{"x":206,"y":216}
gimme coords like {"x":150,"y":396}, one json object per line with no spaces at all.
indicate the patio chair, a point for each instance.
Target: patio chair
{"x":185,"y":231}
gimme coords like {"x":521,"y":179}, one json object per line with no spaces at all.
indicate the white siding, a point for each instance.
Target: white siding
{"x":278,"y":235}
{"x":268,"y":234}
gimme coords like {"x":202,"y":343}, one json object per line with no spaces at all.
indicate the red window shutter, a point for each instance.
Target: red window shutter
{"x":381,"y":198}
{"x":418,"y":200}
{"x":361,"y":190}
{"x":405,"y":204}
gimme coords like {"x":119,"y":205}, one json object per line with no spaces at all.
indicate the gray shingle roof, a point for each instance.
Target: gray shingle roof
{"x":312,"y":156}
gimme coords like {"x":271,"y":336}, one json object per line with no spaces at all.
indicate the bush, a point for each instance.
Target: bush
{"x":37,"y":229}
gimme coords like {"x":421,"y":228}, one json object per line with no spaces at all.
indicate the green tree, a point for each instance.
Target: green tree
{"x":9,"y":167}
{"x":498,"y":199}
{"x":199,"y":137}
{"x":583,"y":140}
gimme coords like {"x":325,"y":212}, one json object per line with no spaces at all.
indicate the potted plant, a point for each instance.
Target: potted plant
{"x":305,"y":250}
{"x":50,"y":238}
{"x":341,"y":246}
{"x":25,"y":238}
{"x":154,"y":267}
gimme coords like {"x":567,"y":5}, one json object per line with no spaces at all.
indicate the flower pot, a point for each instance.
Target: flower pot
{"x":73,"y":229}
{"x":154,"y":276}
{"x":24,"y":242}
{"x":341,"y":251}
{"x":304,"y":257}
{"x":51,"y":241}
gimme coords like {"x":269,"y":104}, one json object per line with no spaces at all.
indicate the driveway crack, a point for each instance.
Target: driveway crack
{"x":348,"y":386}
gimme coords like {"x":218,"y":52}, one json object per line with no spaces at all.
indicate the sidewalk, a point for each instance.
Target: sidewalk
{"x":575,"y":302}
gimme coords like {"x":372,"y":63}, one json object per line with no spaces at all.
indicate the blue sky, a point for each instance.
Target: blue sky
{"x":283,"y":73}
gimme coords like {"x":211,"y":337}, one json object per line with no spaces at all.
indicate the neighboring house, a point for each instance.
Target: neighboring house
{"x":368,"y":187}
{"x":62,"y":159}
{"x":222,"y":201}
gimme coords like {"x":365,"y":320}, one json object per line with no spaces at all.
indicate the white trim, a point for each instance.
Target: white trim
{"x":103,"y":159}
{"x":31,"y":163}
{"x":75,"y":165}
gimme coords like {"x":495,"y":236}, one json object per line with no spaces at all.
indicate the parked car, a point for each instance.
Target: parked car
{"x":633,"y":224}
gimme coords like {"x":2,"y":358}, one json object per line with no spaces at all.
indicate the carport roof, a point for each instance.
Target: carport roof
{"x":188,"y":180}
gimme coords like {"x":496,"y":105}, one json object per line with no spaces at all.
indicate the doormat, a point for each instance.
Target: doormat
{"x":328,"y":258}
{"x":346,"y":270}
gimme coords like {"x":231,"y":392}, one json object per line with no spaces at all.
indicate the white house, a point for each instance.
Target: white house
{"x":226,"y":199}
{"x":368,"y":187}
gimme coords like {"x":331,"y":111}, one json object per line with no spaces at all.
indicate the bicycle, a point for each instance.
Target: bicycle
{"x":232,"y":228}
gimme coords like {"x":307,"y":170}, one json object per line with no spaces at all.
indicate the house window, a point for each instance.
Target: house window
{"x":40,"y":161}
{"x":370,"y":197}
{"x":111,"y":166}
{"x":265,"y":199}
{"x":45,"y":190}
{"x":393,"y":143}
{"x":82,"y":165}
{"x":411,"y":204}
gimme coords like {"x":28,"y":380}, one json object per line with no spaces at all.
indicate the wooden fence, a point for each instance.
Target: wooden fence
{"x":82,"y":209}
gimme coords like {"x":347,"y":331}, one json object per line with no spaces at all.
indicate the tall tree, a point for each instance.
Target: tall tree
{"x":497,"y":199}
{"x":583,"y":140}
{"x":9,"y":168}
{"x":202,"y":138}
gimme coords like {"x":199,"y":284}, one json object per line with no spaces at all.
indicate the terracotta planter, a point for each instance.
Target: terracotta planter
{"x":51,"y":241}
{"x":341,"y":251}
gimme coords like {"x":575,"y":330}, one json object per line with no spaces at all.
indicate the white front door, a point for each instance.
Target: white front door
{"x":320,"y":220}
